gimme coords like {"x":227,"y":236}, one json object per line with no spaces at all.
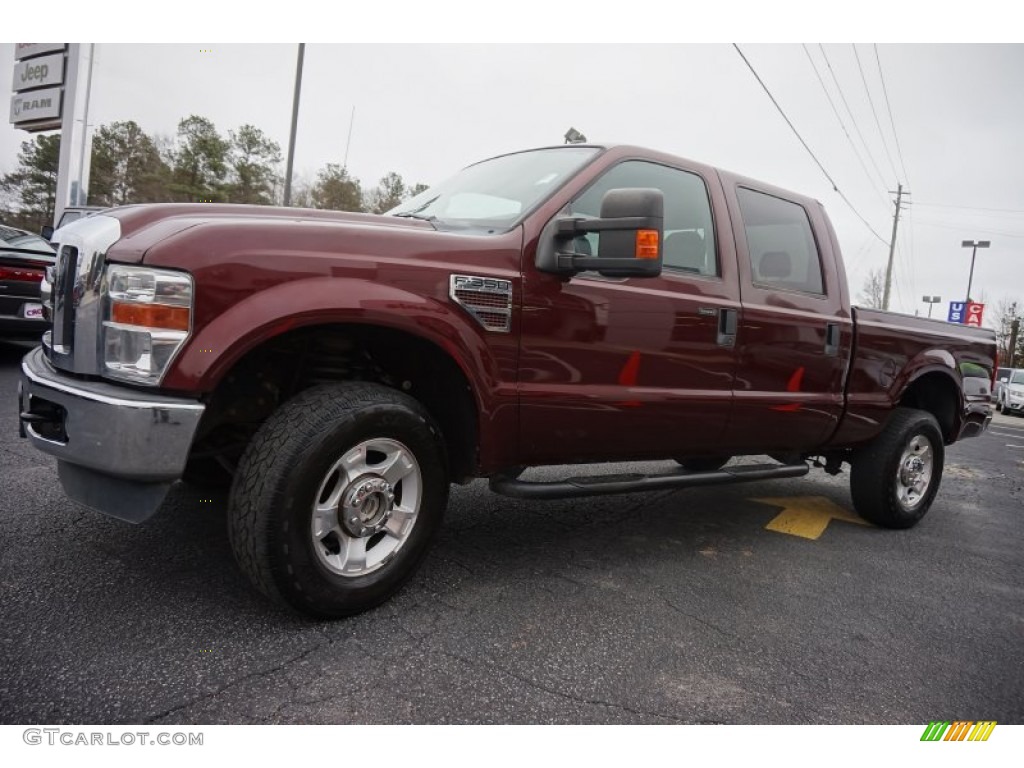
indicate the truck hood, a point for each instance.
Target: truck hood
{"x":145,"y":226}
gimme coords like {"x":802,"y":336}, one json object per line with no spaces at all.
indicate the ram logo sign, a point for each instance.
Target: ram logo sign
{"x":35,"y":105}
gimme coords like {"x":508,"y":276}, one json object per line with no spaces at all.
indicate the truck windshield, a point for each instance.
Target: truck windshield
{"x":495,"y":193}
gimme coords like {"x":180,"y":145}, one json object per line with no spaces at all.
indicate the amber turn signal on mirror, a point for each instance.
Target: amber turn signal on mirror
{"x":647,"y":244}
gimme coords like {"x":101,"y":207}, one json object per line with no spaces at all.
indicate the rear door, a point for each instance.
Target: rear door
{"x":796,"y":330}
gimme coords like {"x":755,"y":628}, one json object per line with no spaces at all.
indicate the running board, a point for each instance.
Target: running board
{"x":601,"y":485}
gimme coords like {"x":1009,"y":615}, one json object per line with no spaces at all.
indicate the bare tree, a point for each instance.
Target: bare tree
{"x":1006,"y":311}
{"x":873,"y":292}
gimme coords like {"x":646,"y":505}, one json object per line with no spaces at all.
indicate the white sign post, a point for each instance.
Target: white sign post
{"x":73,"y":176}
{"x":48,"y":93}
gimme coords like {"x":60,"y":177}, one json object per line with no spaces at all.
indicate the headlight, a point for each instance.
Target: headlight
{"x":147,"y":317}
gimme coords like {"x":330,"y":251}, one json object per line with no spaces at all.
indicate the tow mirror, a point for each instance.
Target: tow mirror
{"x":630,"y":229}
{"x":46,"y":233}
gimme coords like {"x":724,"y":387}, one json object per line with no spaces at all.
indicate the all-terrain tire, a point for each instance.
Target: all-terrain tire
{"x":271,"y":516}
{"x":887,"y":479}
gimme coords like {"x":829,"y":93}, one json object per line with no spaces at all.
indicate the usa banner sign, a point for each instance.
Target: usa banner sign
{"x":966,"y":312}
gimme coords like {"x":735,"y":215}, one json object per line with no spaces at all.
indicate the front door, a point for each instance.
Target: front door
{"x":633,"y":368}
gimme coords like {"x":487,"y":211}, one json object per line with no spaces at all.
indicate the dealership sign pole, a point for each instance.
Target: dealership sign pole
{"x":46,"y":96}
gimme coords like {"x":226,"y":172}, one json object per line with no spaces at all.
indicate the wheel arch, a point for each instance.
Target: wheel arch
{"x":938,"y":391}
{"x":279,"y":366}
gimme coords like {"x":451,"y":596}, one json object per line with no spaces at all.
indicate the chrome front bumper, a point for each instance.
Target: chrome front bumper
{"x":118,"y":449}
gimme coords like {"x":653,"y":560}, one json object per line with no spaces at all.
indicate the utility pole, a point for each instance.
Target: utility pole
{"x":295,"y":123}
{"x":892,"y":246}
{"x":1014,"y":330}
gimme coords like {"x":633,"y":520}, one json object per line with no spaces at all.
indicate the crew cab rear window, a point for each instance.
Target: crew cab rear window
{"x":689,"y":244}
{"x":783,"y":253}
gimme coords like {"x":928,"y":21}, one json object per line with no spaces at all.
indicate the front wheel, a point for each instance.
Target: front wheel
{"x":894,"y":478}
{"x":337,"y":497}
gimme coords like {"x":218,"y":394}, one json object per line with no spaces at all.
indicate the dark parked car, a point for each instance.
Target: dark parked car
{"x":24,"y":258}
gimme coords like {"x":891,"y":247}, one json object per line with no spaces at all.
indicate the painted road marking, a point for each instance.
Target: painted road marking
{"x":1004,"y":434}
{"x":807,"y":516}
{"x":1008,"y":445}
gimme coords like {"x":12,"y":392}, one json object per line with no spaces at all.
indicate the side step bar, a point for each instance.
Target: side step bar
{"x":601,"y":485}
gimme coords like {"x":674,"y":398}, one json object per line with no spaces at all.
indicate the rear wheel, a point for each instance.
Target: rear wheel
{"x":894,"y":479}
{"x":337,"y":497}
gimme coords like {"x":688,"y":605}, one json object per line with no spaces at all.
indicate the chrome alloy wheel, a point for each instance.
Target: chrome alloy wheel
{"x":366,"y":507}
{"x":914,"y":473}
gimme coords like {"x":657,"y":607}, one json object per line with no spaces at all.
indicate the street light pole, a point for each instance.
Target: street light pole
{"x":931,"y":301}
{"x":295,"y":123}
{"x":974,"y":245}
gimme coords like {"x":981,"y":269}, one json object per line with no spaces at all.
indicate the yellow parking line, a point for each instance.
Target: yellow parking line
{"x":807,"y":516}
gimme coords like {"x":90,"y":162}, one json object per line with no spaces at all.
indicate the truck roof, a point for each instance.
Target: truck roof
{"x":646,"y":153}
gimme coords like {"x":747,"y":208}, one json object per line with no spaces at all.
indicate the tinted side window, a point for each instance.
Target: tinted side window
{"x":689,"y":244}
{"x":783,"y":254}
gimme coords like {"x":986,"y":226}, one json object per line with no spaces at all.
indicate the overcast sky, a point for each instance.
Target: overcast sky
{"x":427,"y":110}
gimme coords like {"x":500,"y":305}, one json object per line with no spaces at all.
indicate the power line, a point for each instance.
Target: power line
{"x":972,"y":208}
{"x":972,"y":228}
{"x":854,"y":263}
{"x":892,"y":122}
{"x":871,"y":103}
{"x":856,"y":127}
{"x":842,"y":125}
{"x":789,"y":122}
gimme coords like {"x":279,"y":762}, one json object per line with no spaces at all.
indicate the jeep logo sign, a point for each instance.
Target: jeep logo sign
{"x":38,"y":73}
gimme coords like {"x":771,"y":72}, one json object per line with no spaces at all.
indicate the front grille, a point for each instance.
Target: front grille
{"x":73,"y":292}
{"x":64,"y":299}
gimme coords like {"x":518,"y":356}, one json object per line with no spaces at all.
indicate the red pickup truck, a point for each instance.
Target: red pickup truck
{"x":564,"y":305}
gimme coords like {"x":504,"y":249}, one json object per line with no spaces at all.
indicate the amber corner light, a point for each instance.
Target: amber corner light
{"x":151,"y":316}
{"x":647,"y":243}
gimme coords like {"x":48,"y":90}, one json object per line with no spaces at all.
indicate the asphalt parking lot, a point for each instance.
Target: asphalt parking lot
{"x":673,"y":607}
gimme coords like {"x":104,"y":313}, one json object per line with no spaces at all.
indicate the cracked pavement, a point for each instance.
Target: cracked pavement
{"x":669,"y":607}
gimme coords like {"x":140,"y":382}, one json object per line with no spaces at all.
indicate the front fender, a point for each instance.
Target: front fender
{"x":323,"y":300}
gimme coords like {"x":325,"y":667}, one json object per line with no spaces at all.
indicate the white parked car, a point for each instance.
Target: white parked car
{"x":1011,"y":393}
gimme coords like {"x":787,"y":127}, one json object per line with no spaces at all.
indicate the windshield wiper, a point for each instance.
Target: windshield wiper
{"x":414,"y":215}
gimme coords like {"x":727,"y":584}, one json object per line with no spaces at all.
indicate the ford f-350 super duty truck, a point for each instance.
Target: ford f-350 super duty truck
{"x":565,"y":305}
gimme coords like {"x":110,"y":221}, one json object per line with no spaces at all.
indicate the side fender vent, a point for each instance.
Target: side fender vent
{"x":487,"y":299}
